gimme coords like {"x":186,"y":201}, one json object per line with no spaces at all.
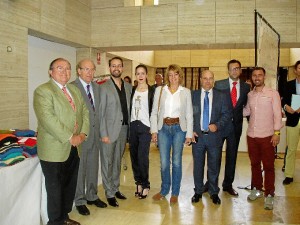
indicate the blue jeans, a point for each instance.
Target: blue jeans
{"x":171,"y":136}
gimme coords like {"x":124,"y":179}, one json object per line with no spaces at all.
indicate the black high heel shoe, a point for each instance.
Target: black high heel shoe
{"x":144,"y":193}
{"x":139,"y":190}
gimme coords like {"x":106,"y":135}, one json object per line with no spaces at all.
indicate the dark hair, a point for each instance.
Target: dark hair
{"x":142,"y":66}
{"x":116,"y":57}
{"x":233,"y":61}
{"x":296,"y":64}
{"x":258,"y":68}
{"x":127,"y":77}
{"x":58,"y":59}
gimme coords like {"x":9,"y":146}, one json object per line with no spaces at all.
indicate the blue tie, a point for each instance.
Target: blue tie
{"x":90,"y":96}
{"x":206,"y":112}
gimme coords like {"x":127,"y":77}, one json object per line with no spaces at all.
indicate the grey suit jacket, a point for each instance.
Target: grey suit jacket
{"x":186,"y":111}
{"x":94,"y":115}
{"x":110,"y":110}
{"x":237,"y":111}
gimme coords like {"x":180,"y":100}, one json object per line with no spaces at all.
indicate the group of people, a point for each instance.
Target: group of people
{"x":77,"y":122}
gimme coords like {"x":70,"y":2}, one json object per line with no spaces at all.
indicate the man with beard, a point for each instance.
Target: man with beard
{"x":114,"y":119}
{"x":263,"y":135}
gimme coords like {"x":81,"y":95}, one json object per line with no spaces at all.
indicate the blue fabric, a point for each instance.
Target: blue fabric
{"x":206,"y":112}
{"x":24,"y":133}
{"x":10,"y":151}
{"x":171,"y":136}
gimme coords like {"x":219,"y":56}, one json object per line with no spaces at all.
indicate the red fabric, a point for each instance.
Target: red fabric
{"x":64,"y":89}
{"x":262,"y":152}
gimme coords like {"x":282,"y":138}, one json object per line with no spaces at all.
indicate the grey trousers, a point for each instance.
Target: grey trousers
{"x":111,"y":158}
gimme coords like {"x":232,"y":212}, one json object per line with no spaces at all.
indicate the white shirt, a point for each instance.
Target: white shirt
{"x":84,"y":84}
{"x":140,"y":107}
{"x":237,"y":87}
{"x":61,"y":87}
{"x":210,"y":97}
{"x":172,"y":103}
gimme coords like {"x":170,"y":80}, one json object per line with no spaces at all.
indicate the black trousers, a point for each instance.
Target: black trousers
{"x":60,"y":182}
{"x":139,"y":141}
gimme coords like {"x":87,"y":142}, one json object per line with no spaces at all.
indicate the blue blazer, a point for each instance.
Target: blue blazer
{"x":221,"y":112}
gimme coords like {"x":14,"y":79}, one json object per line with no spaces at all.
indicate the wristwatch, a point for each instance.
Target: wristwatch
{"x":277,"y":133}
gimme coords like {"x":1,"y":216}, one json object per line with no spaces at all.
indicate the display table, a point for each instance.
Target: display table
{"x":20,"y":188}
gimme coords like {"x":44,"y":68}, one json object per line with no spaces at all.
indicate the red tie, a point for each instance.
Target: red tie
{"x":64,"y":89}
{"x":234,"y":94}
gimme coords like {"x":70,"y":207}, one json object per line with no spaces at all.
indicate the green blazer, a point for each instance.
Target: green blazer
{"x":56,"y":120}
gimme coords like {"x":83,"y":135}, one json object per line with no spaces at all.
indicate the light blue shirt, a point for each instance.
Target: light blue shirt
{"x":297,"y":87}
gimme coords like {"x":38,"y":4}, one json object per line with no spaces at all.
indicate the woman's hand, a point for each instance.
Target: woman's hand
{"x":154,"y":137}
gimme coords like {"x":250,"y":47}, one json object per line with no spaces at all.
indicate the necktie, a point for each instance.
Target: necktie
{"x":206,"y":112}
{"x":64,"y":89}
{"x":90,"y":96}
{"x":234,"y":94}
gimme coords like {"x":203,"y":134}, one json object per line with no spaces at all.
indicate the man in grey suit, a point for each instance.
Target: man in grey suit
{"x":87,"y":182}
{"x":114,"y":119}
{"x":211,"y":114}
{"x":236,"y":91}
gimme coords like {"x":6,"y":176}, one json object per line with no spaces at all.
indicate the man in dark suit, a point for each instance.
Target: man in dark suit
{"x":211,"y":114}
{"x":63,"y":124}
{"x":114,"y":120}
{"x":236,"y":91}
{"x":87,"y":182}
{"x":292,"y":124}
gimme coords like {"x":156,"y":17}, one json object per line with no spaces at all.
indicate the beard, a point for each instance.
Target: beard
{"x":116,"y":75}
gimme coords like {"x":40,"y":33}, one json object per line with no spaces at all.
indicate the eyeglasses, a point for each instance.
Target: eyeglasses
{"x":61,"y":69}
{"x":88,"y":70}
{"x":235,"y":69}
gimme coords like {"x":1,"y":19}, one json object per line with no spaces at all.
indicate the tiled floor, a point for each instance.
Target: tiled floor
{"x":232,"y":211}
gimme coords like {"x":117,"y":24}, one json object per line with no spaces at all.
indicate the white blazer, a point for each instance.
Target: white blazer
{"x":186,"y":111}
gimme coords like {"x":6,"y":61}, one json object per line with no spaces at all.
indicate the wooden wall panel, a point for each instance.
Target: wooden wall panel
{"x":181,"y":58}
{"x":115,"y":27}
{"x":78,"y":22}
{"x":285,"y":57}
{"x":196,"y":23}
{"x":13,"y":76}
{"x":106,"y":4}
{"x":53,"y":18}
{"x":282,"y":16}
{"x":245,"y":56}
{"x":298,"y":22}
{"x":199,"y":58}
{"x":235,"y":22}
{"x":22,"y":12}
{"x":158,"y":30}
{"x":162,"y":58}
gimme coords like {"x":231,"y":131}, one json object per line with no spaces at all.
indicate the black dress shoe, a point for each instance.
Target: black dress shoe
{"x":83,"y":210}
{"x":215,"y":199}
{"x":119,"y":195}
{"x":97,"y":203}
{"x":196,"y":198}
{"x":287,"y":180}
{"x":231,"y":191}
{"x":113,"y":202}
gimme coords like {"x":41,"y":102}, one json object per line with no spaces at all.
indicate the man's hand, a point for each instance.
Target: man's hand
{"x":105,"y":140}
{"x":154,"y":137}
{"x":275,"y":140}
{"x":212,"y":127}
{"x":77,"y":139}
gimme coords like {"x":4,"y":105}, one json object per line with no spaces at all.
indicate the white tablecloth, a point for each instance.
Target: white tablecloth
{"x":20,"y":193}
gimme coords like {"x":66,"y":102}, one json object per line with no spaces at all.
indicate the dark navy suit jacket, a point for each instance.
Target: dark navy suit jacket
{"x":221,"y":113}
{"x":237,"y":111}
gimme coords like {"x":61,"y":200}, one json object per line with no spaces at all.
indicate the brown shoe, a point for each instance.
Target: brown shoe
{"x":70,"y":222}
{"x":173,"y":199}
{"x":158,"y":197}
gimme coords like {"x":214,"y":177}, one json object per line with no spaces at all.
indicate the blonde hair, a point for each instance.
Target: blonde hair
{"x":177,"y":69}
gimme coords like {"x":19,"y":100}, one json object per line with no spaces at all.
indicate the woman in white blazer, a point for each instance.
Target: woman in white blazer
{"x":172,"y":127}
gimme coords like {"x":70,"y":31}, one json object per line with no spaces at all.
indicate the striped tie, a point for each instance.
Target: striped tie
{"x":64,"y":89}
{"x":90,"y":96}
